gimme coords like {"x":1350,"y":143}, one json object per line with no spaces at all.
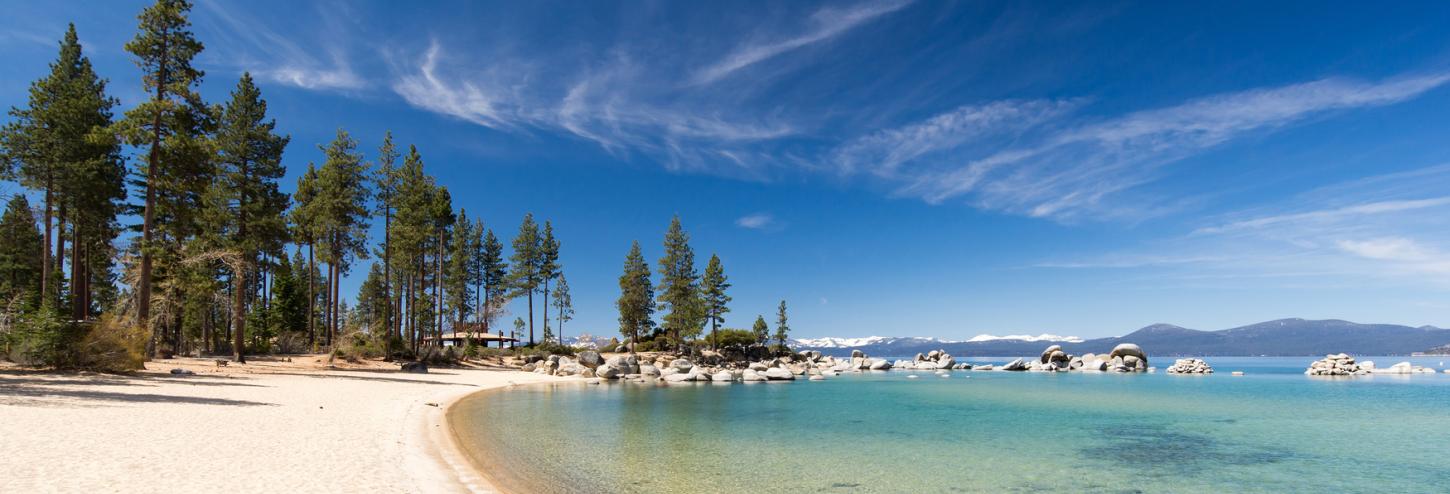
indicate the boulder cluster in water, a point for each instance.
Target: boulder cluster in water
{"x":1190,"y":366}
{"x":1344,"y":365}
{"x":1126,"y":357}
{"x":749,"y":364}
{"x":933,"y":360}
{"x":709,"y":367}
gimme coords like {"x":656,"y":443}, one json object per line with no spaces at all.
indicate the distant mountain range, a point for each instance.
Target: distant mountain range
{"x":1283,"y":337}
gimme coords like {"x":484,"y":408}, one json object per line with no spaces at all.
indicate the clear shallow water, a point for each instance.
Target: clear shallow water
{"x":1273,"y":430}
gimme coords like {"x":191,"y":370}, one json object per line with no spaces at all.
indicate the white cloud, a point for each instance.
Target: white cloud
{"x":1071,"y":171}
{"x":1334,"y":214}
{"x":1387,"y":229}
{"x":1402,"y":252}
{"x":885,"y":152}
{"x":827,"y":23}
{"x":469,"y":101}
{"x":757,"y":221}
{"x":273,"y":57}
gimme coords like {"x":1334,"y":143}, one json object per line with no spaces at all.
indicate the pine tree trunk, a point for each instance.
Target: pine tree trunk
{"x":86,"y":281}
{"x":45,"y":282}
{"x":331,"y":302}
{"x":438,"y":289}
{"x":239,"y":315}
{"x":77,"y":286}
{"x":311,"y":299}
{"x":531,"y":317}
{"x":337,"y":304}
{"x":388,"y":278}
{"x":546,"y":309}
{"x":59,"y":255}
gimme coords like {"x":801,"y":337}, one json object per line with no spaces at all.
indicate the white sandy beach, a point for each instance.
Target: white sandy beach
{"x":261,"y":427}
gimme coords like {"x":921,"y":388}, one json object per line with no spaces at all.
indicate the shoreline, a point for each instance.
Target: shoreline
{"x":474,"y":457}
{"x":259,"y":427}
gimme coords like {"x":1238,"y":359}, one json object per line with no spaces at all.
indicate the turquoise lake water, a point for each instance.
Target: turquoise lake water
{"x":1272,"y":430}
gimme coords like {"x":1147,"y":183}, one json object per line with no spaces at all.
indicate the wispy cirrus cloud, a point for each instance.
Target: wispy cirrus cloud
{"x":826,"y":23}
{"x":1071,"y":168}
{"x":1384,"y":227}
{"x":271,"y":56}
{"x":1329,"y":215}
{"x":602,"y":104}
{"x":479,"y":100}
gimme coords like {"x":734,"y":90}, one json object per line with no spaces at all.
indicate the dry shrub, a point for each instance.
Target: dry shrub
{"x":110,"y":346}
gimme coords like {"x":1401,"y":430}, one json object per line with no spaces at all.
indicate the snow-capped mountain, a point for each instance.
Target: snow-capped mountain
{"x":1026,"y":337}
{"x":1279,"y":337}
{"x":861,"y":342}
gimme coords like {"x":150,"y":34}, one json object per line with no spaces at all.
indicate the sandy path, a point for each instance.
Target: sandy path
{"x":263,"y":427}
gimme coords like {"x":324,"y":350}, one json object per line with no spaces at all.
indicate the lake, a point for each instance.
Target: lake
{"x":1271,"y":430}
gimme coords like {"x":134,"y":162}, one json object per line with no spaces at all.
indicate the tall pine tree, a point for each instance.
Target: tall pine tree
{"x":636,"y":297}
{"x":250,"y":158}
{"x":166,"y":124}
{"x":712,"y":287}
{"x":20,"y":256}
{"x":679,"y":286}
{"x":528,"y":249}
{"x":61,"y":144}
{"x":343,"y":223}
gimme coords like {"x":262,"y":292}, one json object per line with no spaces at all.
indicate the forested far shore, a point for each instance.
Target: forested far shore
{"x":163,"y":230}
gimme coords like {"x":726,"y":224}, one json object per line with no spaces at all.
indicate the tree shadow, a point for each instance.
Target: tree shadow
{"x":44,"y":378}
{"x":41,"y":395}
{"x":370,"y":378}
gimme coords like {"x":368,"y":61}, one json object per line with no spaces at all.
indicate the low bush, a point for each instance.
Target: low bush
{"x":113,"y":346}
{"x":730,"y":337}
{"x":43,"y":339}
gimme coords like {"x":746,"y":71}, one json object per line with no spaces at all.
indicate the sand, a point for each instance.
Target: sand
{"x":266,"y":426}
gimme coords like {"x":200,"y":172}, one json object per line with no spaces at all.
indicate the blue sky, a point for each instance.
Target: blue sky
{"x":891,"y":167}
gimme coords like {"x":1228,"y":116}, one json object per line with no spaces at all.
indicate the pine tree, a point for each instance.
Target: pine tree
{"x":343,"y":222}
{"x":250,"y":165}
{"x":525,"y":280}
{"x":443,"y":220}
{"x":636,"y":297}
{"x":548,"y":260}
{"x":61,"y":144}
{"x":20,"y":255}
{"x":679,"y":285}
{"x":411,"y":233}
{"x":387,"y":180}
{"x":495,"y":276}
{"x":371,"y":301}
{"x":761,"y":330}
{"x":289,"y":295}
{"x":564,"y":302}
{"x":459,"y":274}
{"x":712,"y":287}
{"x":305,"y":219}
{"x":782,"y":330}
{"x":166,"y":123}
